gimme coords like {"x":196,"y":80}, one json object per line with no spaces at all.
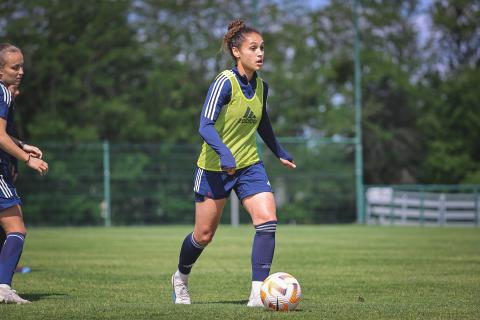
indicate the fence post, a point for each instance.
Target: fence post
{"x":392,"y":208}
{"x":234,"y":211}
{"x":404,"y":208}
{"x":441,"y":218}
{"x":360,"y":196}
{"x":477,"y":212}
{"x":422,"y":206}
{"x":367,"y":207}
{"x":106,"y":205}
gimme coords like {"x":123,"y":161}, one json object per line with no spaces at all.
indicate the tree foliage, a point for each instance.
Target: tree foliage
{"x":138,"y":71}
{"x":450,"y":117}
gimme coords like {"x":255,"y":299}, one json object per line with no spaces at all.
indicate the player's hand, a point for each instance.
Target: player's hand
{"x":230,"y":171}
{"x":33,"y":151}
{"x":288,"y":164}
{"x":38,"y":165}
{"x":13,"y":88}
{"x":228,"y":163}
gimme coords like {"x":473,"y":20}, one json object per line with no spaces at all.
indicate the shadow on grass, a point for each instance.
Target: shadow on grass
{"x":23,"y":270}
{"x":39,"y":296}
{"x":225,"y":302}
{"x":239,"y":302}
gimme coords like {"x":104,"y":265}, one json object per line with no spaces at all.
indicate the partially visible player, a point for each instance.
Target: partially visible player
{"x":11,"y":217}
{"x":234,"y":111}
{"x":13,"y":163}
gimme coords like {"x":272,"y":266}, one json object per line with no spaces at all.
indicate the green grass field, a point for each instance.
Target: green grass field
{"x":346,"y":272}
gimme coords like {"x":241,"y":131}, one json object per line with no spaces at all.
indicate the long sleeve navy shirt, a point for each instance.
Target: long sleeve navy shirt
{"x":218,"y":96}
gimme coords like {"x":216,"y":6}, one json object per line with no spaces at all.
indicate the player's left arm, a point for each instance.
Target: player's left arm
{"x":268,"y":136}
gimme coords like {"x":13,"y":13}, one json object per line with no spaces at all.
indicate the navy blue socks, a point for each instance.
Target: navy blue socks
{"x":10,"y":255}
{"x":263,"y":249}
{"x":189,"y":253}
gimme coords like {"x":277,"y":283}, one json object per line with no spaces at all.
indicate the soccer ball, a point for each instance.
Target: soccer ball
{"x":280,"y":292}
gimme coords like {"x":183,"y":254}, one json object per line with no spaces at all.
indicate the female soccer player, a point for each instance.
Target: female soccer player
{"x":234,"y":110}
{"x":13,"y":163}
{"x":11,"y":218}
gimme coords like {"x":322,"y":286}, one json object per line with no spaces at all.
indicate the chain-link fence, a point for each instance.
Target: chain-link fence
{"x":152,"y":184}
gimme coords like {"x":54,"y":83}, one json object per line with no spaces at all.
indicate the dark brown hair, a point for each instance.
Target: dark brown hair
{"x":6,"y":48}
{"x":235,"y":35}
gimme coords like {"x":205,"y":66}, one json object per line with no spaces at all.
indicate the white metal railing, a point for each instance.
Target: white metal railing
{"x":387,"y":205}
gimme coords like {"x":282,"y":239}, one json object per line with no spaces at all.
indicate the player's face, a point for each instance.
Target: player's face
{"x":12,"y":72}
{"x":251,"y":52}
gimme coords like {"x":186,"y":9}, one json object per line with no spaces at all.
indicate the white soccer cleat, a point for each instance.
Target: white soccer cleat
{"x":8,"y":295}
{"x":180,"y":290}
{"x":254,"y":300}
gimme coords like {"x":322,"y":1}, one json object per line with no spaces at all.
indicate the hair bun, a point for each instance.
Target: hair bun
{"x":235,"y":35}
{"x":236,"y":25}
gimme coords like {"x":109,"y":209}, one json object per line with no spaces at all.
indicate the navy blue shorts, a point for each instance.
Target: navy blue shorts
{"x":218,"y":185}
{"x":8,"y":193}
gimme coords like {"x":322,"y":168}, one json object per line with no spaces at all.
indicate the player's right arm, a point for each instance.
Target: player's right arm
{"x":218,"y":95}
{"x":34,"y":151}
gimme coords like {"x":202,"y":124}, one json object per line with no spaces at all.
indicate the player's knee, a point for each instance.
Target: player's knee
{"x":21,"y":229}
{"x":264,"y":217}
{"x":271,"y":216}
{"x":204,"y":238}
{"x":16,"y":229}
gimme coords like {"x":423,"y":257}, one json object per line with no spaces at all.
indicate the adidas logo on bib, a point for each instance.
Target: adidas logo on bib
{"x":248,"y":117}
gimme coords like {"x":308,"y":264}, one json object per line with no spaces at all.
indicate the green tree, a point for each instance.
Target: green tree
{"x":84,"y":69}
{"x":451,"y":117}
{"x":390,"y":63}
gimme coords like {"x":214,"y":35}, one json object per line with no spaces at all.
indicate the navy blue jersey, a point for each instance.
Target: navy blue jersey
{"x":11,"y":131}
{"x":7,"y":113}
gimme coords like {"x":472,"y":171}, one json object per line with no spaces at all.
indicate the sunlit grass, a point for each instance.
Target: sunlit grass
{"x":346,"y":272}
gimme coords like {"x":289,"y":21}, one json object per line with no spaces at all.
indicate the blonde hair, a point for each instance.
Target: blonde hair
{"x":7,"y":48}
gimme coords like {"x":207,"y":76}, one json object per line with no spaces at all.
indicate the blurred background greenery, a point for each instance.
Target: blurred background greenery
{"x":135,"y":73}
